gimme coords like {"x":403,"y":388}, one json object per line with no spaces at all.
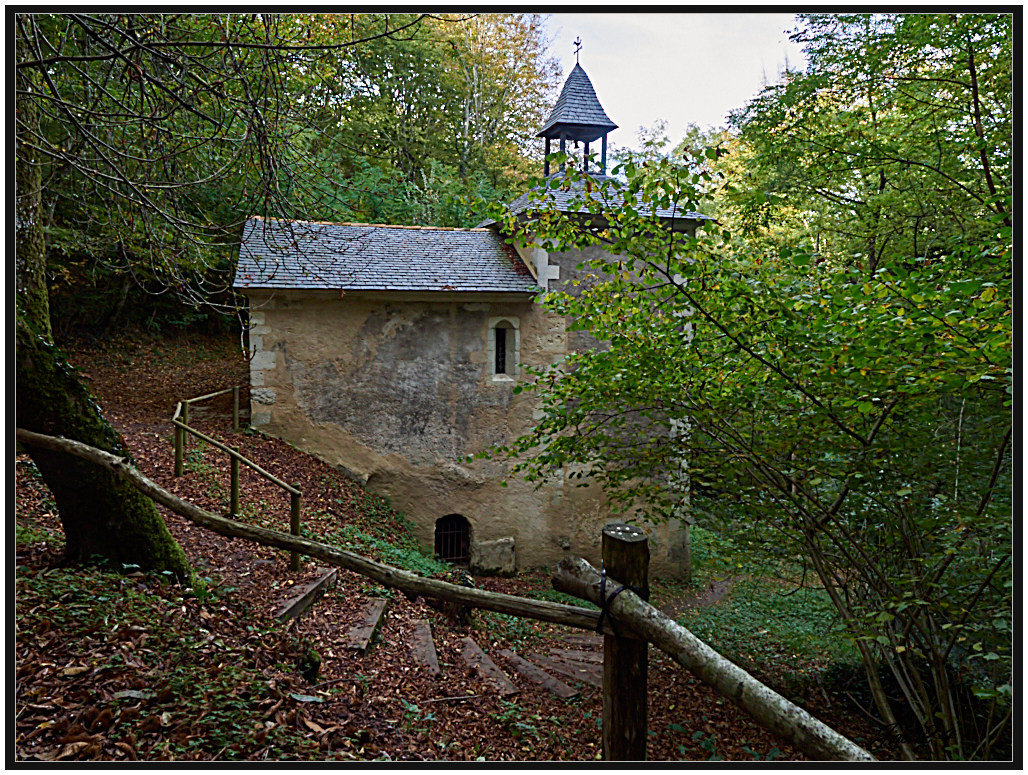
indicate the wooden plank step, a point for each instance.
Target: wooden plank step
{"x":307,"y":596}
{"x":574,"y":655}
{"x":359,"y":637}
{"x":423,"y":647}
{"x":539,"y":676}
{"x":480,"y":661}
{"x":584,"y":640}
{"x":578,"y":671}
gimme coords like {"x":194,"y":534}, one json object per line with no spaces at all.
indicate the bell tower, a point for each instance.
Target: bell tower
{"x":577,"y":117}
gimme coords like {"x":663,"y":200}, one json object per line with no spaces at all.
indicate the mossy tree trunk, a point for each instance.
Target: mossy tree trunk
{"x":101,"y":514}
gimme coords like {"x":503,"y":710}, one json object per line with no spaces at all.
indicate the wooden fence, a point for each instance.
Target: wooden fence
{"x":180,"y":419}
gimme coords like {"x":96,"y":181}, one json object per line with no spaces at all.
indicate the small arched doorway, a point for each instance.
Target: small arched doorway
{"x":453,"y":539}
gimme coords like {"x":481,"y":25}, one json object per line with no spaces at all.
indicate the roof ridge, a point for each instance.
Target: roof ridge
{"x":371,"y":225}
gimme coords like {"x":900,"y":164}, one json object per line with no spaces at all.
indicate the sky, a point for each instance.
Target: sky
{"x":681,"y":67}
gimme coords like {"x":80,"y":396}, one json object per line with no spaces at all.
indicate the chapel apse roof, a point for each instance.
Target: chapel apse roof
{"x":352,"y":256}
{"x":568,"y":197}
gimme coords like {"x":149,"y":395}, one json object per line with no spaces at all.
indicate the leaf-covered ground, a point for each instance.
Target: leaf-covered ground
{"x":130,"y":667}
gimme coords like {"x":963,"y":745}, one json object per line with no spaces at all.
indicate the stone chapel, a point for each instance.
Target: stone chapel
{"x":392,"y":352}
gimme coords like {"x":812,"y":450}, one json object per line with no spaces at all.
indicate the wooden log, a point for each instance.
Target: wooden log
{"x":626,"y":556}
{"x":307,"y":596}
{"x":768,"y":708}
{"x":409,"y":583}
{"x":423,"y":647}
{"x":208,"y":395}
{"x":359,"y":637}
{"x":539,"y":676}
{"x":480,"y":661}
{"x":185,"y":422}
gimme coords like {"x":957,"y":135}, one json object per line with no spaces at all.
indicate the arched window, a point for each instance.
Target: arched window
{"x":504,"y":347}
{"x":500,"y":359}
{"x":453,"y":539}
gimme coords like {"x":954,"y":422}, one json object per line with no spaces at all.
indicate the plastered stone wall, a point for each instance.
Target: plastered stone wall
{"x":399,"y":390}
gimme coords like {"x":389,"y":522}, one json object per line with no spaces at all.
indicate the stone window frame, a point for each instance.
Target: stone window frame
{"x":512,"y":356}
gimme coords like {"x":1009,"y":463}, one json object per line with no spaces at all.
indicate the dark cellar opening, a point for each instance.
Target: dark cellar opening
{"x":453,"y":539}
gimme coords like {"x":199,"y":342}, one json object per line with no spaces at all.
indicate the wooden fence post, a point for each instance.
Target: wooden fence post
{"x":179,"y":433}
{"x":294,"y":526}
{"x":234,"y":487}
{"x":185,"y":420}
{"x":626,"y":558}
{"x":235,"y":409}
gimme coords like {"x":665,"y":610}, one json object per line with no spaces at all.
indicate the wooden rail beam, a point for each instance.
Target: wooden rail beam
{"x":234,"y":453}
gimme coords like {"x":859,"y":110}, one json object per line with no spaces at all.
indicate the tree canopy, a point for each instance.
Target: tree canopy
{"x":829,"y":366}
{"x":897,"y":137}
{"x":157,"y":134}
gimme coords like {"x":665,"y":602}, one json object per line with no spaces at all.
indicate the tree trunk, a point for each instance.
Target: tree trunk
{"x":29,"y":240}
{"x":101,"y":514}
{"x":768,"y":708}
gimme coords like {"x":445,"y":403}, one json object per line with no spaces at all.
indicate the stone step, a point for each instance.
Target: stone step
{"x":423,"y":647}
{"x":480,"y":662}
{"x":307,"y":595}
{"x":359,"y":637}
{"x":591,"y":674}
{"x":538,"y":675}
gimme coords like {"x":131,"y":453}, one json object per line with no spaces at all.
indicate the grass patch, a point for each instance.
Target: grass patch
{"x":516,"y":630}
{"x":756,"y":624}
{"x":765,"y":620}
{"x":29,"y":534}
{"x":384,"y":534}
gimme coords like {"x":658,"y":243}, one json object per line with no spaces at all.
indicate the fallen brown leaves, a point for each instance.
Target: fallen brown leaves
{"x":93,"y":683}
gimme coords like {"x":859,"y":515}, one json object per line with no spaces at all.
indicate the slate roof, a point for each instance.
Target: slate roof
{"x":560,"y":199}
{"x":578,"y":113}
{"x":353,"y":256}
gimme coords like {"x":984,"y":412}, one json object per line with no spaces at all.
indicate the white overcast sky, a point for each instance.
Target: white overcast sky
{"x":681,"y":67}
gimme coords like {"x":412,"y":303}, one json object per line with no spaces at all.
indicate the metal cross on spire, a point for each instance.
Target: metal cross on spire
{"x":578,"y":47}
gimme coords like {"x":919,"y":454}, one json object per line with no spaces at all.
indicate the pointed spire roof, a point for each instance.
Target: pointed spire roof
{"x":577,"y":115}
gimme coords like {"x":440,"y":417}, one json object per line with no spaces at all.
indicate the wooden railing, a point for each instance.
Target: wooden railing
{"x":180,"y":419}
